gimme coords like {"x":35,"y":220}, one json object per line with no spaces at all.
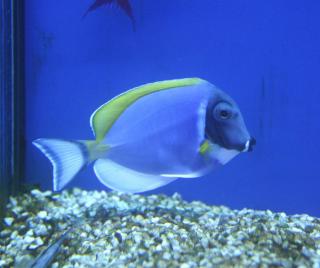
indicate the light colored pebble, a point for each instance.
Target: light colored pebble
{"x":42,"y":214}
{"x":8,"y":221}
{"x":125,"y":230}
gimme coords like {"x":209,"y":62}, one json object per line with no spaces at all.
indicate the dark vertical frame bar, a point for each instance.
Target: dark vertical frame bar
{"x":12,"y":110}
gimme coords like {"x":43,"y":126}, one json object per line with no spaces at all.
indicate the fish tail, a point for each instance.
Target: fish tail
{"x":68,"y":157}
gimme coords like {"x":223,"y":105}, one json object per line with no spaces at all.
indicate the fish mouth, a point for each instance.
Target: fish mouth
{"x":249,"y":145}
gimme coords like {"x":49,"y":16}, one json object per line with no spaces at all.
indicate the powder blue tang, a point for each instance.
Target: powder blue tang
{"x":154,"y":134}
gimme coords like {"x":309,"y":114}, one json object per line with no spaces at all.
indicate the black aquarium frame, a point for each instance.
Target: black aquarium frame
{"x":12,"y":99}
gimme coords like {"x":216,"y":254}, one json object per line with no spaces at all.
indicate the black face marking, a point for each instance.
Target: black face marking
{"x":224,"y":123}
{"x":211,"y":130}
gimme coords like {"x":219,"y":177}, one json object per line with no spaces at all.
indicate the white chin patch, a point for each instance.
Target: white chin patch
{"x":223,"y":155}
{"x":246,"y":149}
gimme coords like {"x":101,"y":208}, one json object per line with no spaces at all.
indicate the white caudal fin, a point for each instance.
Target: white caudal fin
{"x":67,"y":158}
{"x":123,"y":179}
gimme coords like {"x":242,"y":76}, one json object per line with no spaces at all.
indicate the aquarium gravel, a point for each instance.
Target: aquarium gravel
{"x":110,"y":229}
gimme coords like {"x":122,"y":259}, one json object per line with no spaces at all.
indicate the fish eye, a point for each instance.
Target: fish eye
{"x":223,"y":111}
{"x":224,"y":114}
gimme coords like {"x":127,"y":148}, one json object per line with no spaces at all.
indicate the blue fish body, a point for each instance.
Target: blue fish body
{"x":154,"y":134}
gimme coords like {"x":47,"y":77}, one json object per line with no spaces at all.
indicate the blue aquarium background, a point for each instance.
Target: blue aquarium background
{"x":265,"y":54}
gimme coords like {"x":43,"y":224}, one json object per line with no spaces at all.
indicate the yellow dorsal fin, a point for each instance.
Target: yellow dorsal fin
{"x":105,"y":116}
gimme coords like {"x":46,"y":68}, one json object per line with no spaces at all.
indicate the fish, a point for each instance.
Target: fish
{"x":152,"y":135}
{"x":123,"y":4}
